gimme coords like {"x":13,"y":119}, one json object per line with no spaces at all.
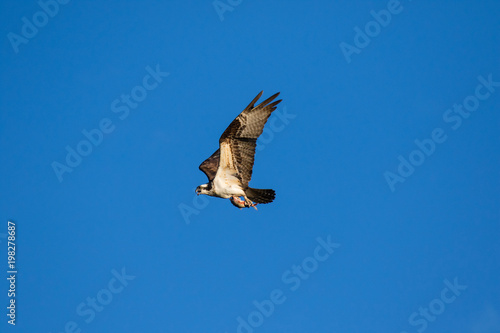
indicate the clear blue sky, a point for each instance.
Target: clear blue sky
{"x":386,"y":145}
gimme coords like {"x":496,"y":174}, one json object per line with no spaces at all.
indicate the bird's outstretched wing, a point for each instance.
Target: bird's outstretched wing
{"x":238,"y":142}
{"x":210,"y":165}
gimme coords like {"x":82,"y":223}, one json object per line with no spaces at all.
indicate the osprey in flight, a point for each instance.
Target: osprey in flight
{"x":229,"y":169}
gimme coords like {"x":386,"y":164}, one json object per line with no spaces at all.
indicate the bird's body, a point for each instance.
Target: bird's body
{"x":229,"y":169}
{"x":226,"y":184}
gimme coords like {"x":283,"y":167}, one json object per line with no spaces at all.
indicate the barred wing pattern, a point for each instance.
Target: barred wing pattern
{"x":241,"y":137}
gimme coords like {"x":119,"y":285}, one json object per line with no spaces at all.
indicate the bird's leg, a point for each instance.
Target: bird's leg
{"x":249,"y":203}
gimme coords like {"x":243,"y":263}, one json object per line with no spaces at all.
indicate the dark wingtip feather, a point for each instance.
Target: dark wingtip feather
{"x":252,"y":103}
{"x":275,"y":103}
{"x":268,"y":100}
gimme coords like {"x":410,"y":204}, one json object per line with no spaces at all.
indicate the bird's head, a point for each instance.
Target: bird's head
{"x":202,"y":189}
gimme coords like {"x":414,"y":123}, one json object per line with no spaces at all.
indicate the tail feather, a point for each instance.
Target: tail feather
{"x":260,"y":196}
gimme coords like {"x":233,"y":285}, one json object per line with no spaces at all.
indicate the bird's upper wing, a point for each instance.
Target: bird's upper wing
{"x":238,"y":142}
{"x":210,"y":165}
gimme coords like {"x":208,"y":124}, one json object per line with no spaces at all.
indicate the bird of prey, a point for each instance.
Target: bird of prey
{"x":229,"y":169}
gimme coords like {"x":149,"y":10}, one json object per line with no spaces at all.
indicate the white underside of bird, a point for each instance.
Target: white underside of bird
{"x":226,"y":184}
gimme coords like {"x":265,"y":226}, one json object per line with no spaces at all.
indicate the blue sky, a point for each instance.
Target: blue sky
{"x":383,"y":154}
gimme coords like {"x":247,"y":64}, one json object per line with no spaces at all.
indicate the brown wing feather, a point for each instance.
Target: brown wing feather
{"x":243,"y":153}
{"x":210,"y":165}
{"x":250,"y":122}
{"x":243,"y":132}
